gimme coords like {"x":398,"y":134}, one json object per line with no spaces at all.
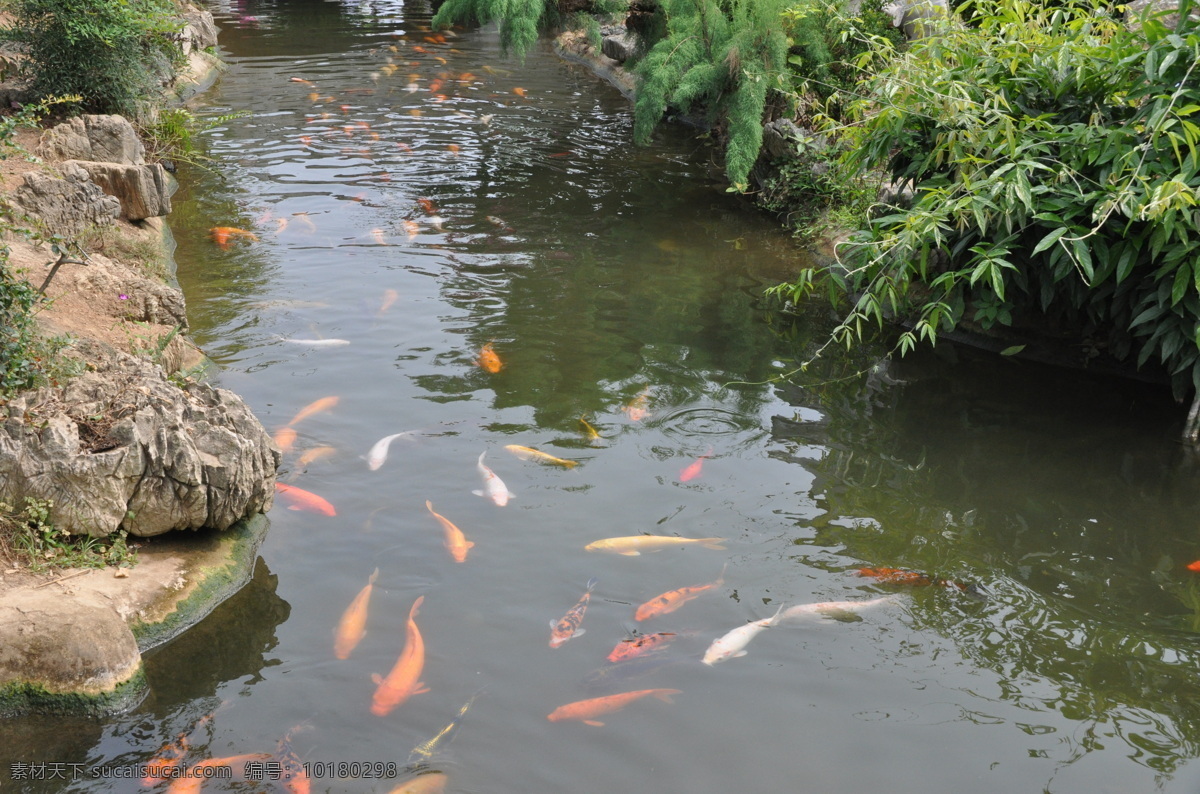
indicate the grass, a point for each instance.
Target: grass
{"x":116,"y":243}
{"x":29,"y":539}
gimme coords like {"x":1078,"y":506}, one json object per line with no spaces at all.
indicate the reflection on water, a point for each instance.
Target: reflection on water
{"x":419,"y":199}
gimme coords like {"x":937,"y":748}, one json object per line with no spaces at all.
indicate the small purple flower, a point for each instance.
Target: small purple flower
{"x":123,"y":296}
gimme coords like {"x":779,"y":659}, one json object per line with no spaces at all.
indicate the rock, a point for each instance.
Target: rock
{"x":782,"y":137}
{"x":143,"y":190}
{"x":199,"y":31}
{"x":912,"y":15}
{"x":65,"y":205}
{"x":146,"y":300}
{"x":123,"y":448}
{"x":896,"y":193}
{"x":103,"y":139}
{"x":620,"y":47}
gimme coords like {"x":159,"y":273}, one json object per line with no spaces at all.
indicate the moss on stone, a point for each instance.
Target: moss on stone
{"x":25,"y":697}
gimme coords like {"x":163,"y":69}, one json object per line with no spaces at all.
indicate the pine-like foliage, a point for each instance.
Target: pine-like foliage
{"x":520,"y":20}
{"x":722,"y":58}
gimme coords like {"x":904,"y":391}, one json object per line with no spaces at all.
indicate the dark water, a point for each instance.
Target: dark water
{"x":603,"y":273}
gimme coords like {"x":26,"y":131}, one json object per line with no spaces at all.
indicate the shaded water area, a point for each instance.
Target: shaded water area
{"x":622,"y":284}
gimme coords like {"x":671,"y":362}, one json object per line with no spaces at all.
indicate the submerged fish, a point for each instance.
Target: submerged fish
{"x":315,"y":407}
{"x":164,"y":763}
{"x":456,"y":542}
{"x":316,"y":453}
{"x":641,"y":645}
{"x":636,"y":408}
{"x":284,"y":438}
{"x":379,"y":452}
{"x":390,"y":296}
{"x":838,"y":610}
{"x":529,"y":453}
{"x":316,"y":342}
{"x":611,"y":677}
{"x":493,"y":487}
{"x":427,"y":783}
{"x":423,"y":753}
{"x":221,"y":235}
{"x":693,"y":471}
{"x":404,"y":679}
{"x":304,"y":500}
{"x":1194,"y":566}
{"x":672,"y":600}
{"x":634,"y":545}
{"x":191,"y":781}
{"x":353,"y":625}
{"x":292,"y":771}
{"x":488,"y":360}
{"x":733,"y":643}
{"x":587,"y":710}
{"x":589,"y":431}
{"x":567,"y":627}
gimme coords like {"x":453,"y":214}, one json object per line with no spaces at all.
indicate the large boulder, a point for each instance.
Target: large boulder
{"x":143,"y":190}
{"x":122,"y":447}
{"x":199,"y":32}
{"x":67,"y":205}
{"x":104,"y":139}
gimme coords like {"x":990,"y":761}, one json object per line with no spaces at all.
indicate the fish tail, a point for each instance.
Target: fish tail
{"x":374,"y":576}
{"x":721,"y":577}
{"x":591,"y":583}
{"x":713,"y":543}
{"x":665,"y":694}
{"x":429,"y":506}
{"x":569,"y":464}
{"x":412,"y":613}
{"x":481,"y":454}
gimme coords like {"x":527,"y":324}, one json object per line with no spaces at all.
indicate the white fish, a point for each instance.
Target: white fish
{"x":412,"y":88}
{"x":493,"y":487}
{"x":831,"y":609}
{"x":378,"y":454}
{"x":734,"y":643}
{"x":317,"y":342}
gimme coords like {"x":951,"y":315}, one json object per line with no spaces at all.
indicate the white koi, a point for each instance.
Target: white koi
{"x":316,"y":342}
{"x":378,"y":454}
{"x":734,"y":643}
{"x":493,"y":487}
{"x":832,"y":609}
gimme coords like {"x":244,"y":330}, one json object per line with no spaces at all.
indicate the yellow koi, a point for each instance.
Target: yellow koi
{"x":529,"y":453}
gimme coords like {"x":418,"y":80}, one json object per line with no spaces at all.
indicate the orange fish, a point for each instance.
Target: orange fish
{"x":161,"y":766}
{"x":404,"y":147}
{"x":315,"y":407}
{"x":280,"y":224}
{"x":693,"y":471}
{"x":353,"y":625}
{"x":420,"y":49}
{"x":672,"y":600}
{"x":428,"y":206}
{"x":390,"y":296}
{"x":304,"y":500}
{"x":567,"y":626}
{"x":291,"y":768}
{"x":316,"y":453}
{"x":434,"y":85}
{"x":453,"y":149}
{"x":221,"y":235}
{"x":519,"y":91}
{"x":430,"y":783}
{"x":586,"y":710}
{"x":896,"y":576}
{"x":377,"y":236}
{"x":488,"y":360}
{"x":456,"y":542}
{"x":640,"y":646}
{"x":313,"y":97}
{"x":300,"y":80}
{"x":191,"y":780}
{"x":414,"y":112}
{"x":411,"y":229}
{"x":466,"y":77}
{"x":440,"y":60}
{"x":404,"y":679}
{"x":1195,"y":566}
{"x":284,"y":438}
{"x":636,"y":408}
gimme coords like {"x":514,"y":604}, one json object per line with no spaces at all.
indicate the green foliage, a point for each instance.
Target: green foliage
{"x":29,"y":537}
{"x":520,"y":20}
{"x":1054,"y":158}
{"x":115,"y":54}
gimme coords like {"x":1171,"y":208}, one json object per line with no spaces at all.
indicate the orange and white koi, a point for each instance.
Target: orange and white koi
{"x":587,"y":710}
{"x":634,"y":545}
{"x":404,"y":679}
{"x":693,"y":471}
{"x":529,"y":453}
{"x":456,"y":542}
{"x":315,"y":407}
{"x":488,"y":360}
{"x":190,"y":781}
{"x":493,"y":487}
{"x":427,"y":205}
{"x":672,"y":600}
{"x":292,"y":772}
{"x":353,"y":625}
{"x":304,"y":500}
{"x":428,"y":783}
{"x":379,"y":452}
{"x":636,"y":408}
{"x":567,"y":626}
{"x":641,"y":645}
{"x":453,"y":148}
{"x":733,"y":643}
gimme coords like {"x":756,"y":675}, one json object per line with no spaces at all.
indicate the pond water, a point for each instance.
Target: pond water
{"x":419,"y":199}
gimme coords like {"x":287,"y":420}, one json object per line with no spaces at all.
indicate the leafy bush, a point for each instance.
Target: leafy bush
{"x":115,"y":54}
{"x":1054,"y":159}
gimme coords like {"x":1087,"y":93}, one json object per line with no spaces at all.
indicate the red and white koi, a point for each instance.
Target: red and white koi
{"x":493,"y":487}
{"x":567,"y":627}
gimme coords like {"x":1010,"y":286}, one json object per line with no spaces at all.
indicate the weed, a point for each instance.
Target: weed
{"x":29,"y":538}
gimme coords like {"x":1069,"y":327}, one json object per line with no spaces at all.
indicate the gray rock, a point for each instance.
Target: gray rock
{"x":914,"y":15}
{"x":143,"y":190}
{"x":147,"y":300}
{"x":104,"y":139}
{"x":781,"y":138}
{"x":123,"y":448}
{"x":199,"y":32}
{"x":620,"y":46}
{"x":65,"y":205}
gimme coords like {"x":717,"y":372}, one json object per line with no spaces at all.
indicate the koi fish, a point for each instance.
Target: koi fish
{"x":492,"y":219}
{"x":390,"y":296}
{"x":614,"y":677}
{"x":307,"y":141}
{"x":896,"y":576}
{"x":221,"y":235}
{"x":423,"y":753}
{"x":567,"y":627}
{"x":672,"y":600}
{"x":693,"y":471}
{"x":412,"y":88}
{"x":319,"y":343}
{"x":441,"y":60}
{"x":429,"y":783}
{"x":379,"y":452}
{"x":414,"y":112}
{"x":636,"y":409}
{"x":587,"y":710}
{"x":304,"y":500}
{"x":310,"y":455}
{"x":305,"y":221}
{"x":733,"y":644}
{"x":453,"y":149}
{"x":529,"y":453}
{"x":641,"y":645}
{"x":434,"y":85}
{"x":166,"y":760}
{"x":353,"y":625}
{"x":300,"y":80}
{"x":193,"y":778}
{"x":589,"y":431}
{"x":291,"y":768}
{"x":519,"y":91}
{"x":466,"y":77}
{"x":493,"y":487}
{"x":420,"y":49}
{"x":1194,"y":566}
{"x":377,"y":236}
{"x":282,"y":223}
{"x":284,"y":438}
{"x":427,"y":205}
{"x":404,"y":679}
{"x":488,"y":360}
{"x":838,"y":610}
{"x":634,"y":545}
{"x":315,"y":407}
{"x":412,"y":229}
{"x":456,"y":542}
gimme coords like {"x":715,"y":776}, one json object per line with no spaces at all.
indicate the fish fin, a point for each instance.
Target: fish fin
{"x":294,"y":507}
{"x":553,"y":624}
{"x":470,"y":544}
{"x":512,"y":495}
{"x":376,"y":679}
{"x":591,"y":583}
{"x":713,"y":543}
{"x":579,"y":633}
{"x":421,"y":688}
{"x":374,"y":576}
{"x":478,"y":493}
{"x":597,"y":723}
{"x":630,"y":553}
{"x":570,"y":464}
{"x":735,"y":655}
{"x":665,"y":695}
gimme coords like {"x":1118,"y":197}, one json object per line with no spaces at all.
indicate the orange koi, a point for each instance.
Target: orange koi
{"x":420,"y":49}
{"x":304,"y":500}
{"x":641,"y":645}
{"x":1194,"y":566}
{"x":488,"y":360}
{"x":161,"y":766}
{"x":519,"y":91}
{"x":466,"y":77}
{"x":353,"y":625}
{"x":315,"y":407}
{"x":415,"y":112}
{"x":282,"y":223}
{"x":192,"y":779}
{"x":404,"y":679}
{"x":693,"y":471}
{"x":221,"y":235}
{"x":456,"y":542}
{"x":440,"y":98}
{"x":453,"y":149}
{"x":390,"y":296}
{"x":316,"y":453}
{"x":434,"y":85}
{"x":345,"y":108}
{"x":411,"y":228}
{"x":404,"y":147}
{"x":284,"y":438}
{"x":896,"y":576}
{"x":377,"y":236}
{"x":427,"y":205}
{"x":313,"y":97}
{"x":440,"y":60}
{"x":375,"y":136}
{"x":300,"y":80}
{"x":587,"y":710}
{"x":429,"y":783}
{"x":567,"y":627}
{"x":291,"y":768}
{"x":672,"y":600}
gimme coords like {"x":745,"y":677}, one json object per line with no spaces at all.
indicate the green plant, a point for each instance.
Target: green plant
{"x":521,"y":21}
{"x":114,"y":54}
{"x":174,"y":134}
{"x":30,"y":538}
{"x":1054,"y":160}
{"x":148,"y":344}
{"x":144,"y":251}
